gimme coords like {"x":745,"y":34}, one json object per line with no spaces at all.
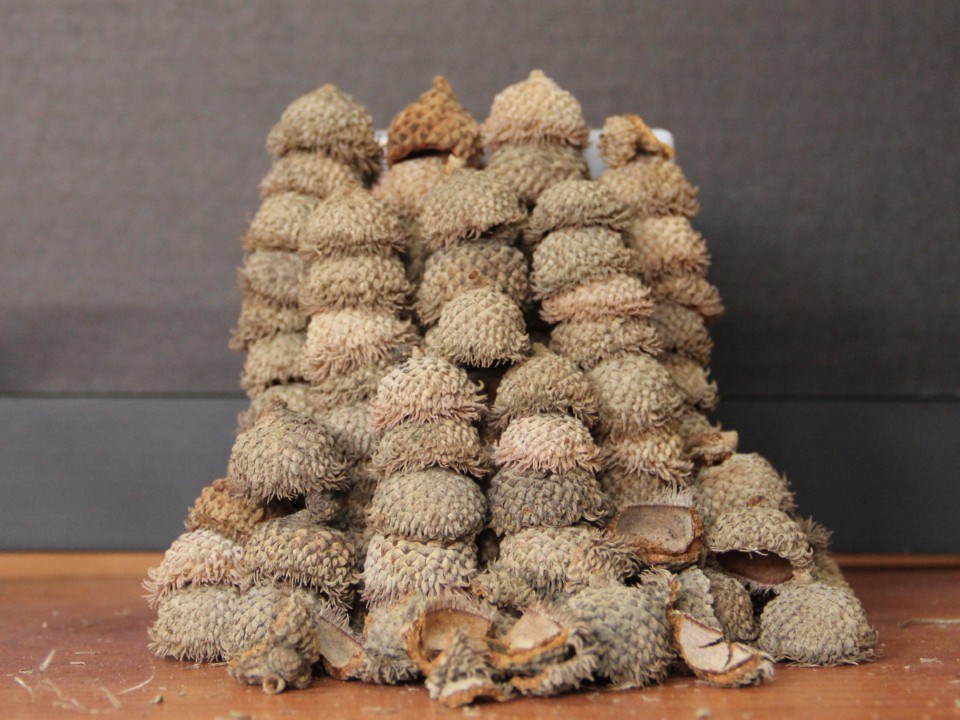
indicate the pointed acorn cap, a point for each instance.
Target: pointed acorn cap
{"x":273,"y":360}
{"x":529,"y":170}
{"x":261,"y":318}
{"x":652,"y":187}
{"x":447,"y":443}
{"x":435,"y":123}
{"x":742,"y":480}
{"x":480,"y":328}
{"x":713,"y":659}
{"x":280,"y":223}
{"x":572,"y":256}
{"x":219,"y":510}
{"x":272,"y":274}
{"x":658,"y":452}
{"x":682,"y":331}
{"x":547,"y":442}
{"x":589,"y":342}
{"x":405,"y":185}
{"x":352,"y":222}
{"x":198,"y":557}
{"x":523,"y":499}
{"x":308,"y":174}
{"x":634,"y":393}
{"x":693,"y":380}
{"x":617,"y":295}
{"x":667,"y":246}
{"x":535,"y":111}
{"x":690,"y":291}
{"x":626,"y":137}
{"x":575,"y":204}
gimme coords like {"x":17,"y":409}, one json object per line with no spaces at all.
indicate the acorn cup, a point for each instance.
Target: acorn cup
{"x":219,"y":510}
{"x":620,"y":296}
{"x":663,"y":531}
{"x":520,"y":499}
{"x":529,"y":170}
{"x":369,"y":282}
{"x":575,"y":204}
{"x":280,"y":223}
{"x":261,"y":318}
{"x":273,"y":360}
{"x":667,"y":247}
{"x":396,"y":567}
{"x":197,"y":557}
{"x":308,"y":174}
{"x":742,"y":480}
{"x":572,"y":256}
{"x":273,"y":275}
{"x":634,"y":393}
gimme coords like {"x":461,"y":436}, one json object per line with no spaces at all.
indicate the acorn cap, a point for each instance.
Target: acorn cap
{"x":272,"y":360}
{"x":713,"y":659}
{"x":284,"y":455}
{"x":732,"y":606}
{"x":435,"y":123}
{"x":626,"y":137}
{"x":535,"y":111}
{"x":682,"y":331}
{"x":358,"y":497}
{"x":667,"y":246}
{"x":816,"y":624}
{"x":480,"y":328}
{"x":355,"y":385}
{"x":504,"y":587}
{"x":370,"y":282}
{"x":662,"y":531}
{"x":349,"y":426}
{"x":575,"y":204}
{"x":572,"y":256}
{"x":613,"y":296}
{"x":634,"y":393}
{"x":424,"y":389}
{"x":742,"y":480}
{"x":693,"y":380}
{"x":323,"y":506}
{"x":308,"y":174}
{"x":658,"y":452}
{"x":469,"y":204}
{"x":272,"y":274}
{"x":547,"y":442}
{"x":528,"y":170}
{"x":261,"y":318}
{"x":452,"y":271}
{"x":405,"y":186}
{"x":198,"y":557}
{"x":438,"y":620}
{"x":280,"y":223}
{"x":191,"y":623}
{"x":396,"y":567}
{"x":462,"y":674}
{"x":352,"y":222}
{"x":430,"y":504}
{"x":628,"y":488}
{"x":447,"y":443}
{"x":218,"y":510}
{"x":690,"y":291}
{"x":521,"y":499}
{"x":274,"y":666}
{"x":706,"y":444}
{"x":652,"y":187}
{"x":693,"y":596}
{"x":330,"y":122}
{"x":544,"y":382}
{"x":589,"y":342}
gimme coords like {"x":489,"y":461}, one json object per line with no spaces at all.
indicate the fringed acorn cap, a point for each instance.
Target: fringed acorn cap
{"x":614,"y":296}
{"x":690,"y":291}
{"x":468,"y":266}
{"x":682,"y":331}
{"x":626,"y":137}
{"x":714,"y":660}
{"x":314,"y":401}
{"x":535,"y":111}
{"x":191,"y":623}
{"x":435,"y":123}
{"x":272,"y":360}
{"x":630,"y":488}
{"x":667,"y":246}
{"x":816,"y":624}
{"x":652,"y":187}
{"x":423,"y":389}
{"x":330,"y":122}
{"x":357,"y":498}
{"x":572,"y":256}
{"x":658,"y":452}
{"x":693,"y":596}
{"x":575,"y":204}
{"x":547,"y":442}
{"x":693,"y":380}
{"x":308,"y":174}
{"x":665,"y":530}
{"x":528,"y":170}
{"x":284,"y":455}
{"x":352,"y":222}
{"x":355,"y":385}
{"x":462,"y":674}
{"x":468,"y":205}
{"x":522,"y":499}
{"x":396,"y":567}
{"x":732,"y":606}
{"x":280,"y":223}
{"x":370,"y":282}
{"x":544,"y":382}
{"x":198,"y":557}
{"x":273,"y":665}
{"x":349,"y":425}
{"x":634,"y":393}
{"x":323,"y":506}
{"x":272,"y":274}
{"x":261,"y":318}
{"x":589,"y":342}
{"x":447,"y":443}
{"x":405,"y":185}
{"x":480,"y":328}
{"x":504,"y":587}
{"x":218,"y":510}
{"x":742,"y":480}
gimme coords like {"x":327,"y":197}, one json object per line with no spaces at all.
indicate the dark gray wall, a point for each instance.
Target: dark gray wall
{"x":823,"y":137}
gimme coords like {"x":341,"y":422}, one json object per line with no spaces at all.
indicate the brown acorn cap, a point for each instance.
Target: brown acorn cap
{"x":435,"y":123}
{"x":308,"y":174}
{"x":462,"y":674}
{"x":358,"y":497}
{"x":284,"y":455}
{"x":535,"y":111}
{"x":217,"y":509}
{"x":272,"y":360}
{"x":469,"y":204}
{"x":430,"y":504}
{"x":589,"y":342}
{"x":480,"y":328}
{"x":522,"y":499}
{"x":742,"y":480}
{"x":280,"y":223}
{"x":352,"y":222}
{"x":437,"y":622}
{"x":447,"y":443}
{"x":816,"y":624}
{"x":370,"y":282}
{"x":274,"y":666}
{"x":457,"y":269}
{"x":693,"y":380}
{"x":652,"y":186}
{"x":683,"y":332}
{"x":198,"y":557}
{"x":629,"y":488}
{"x":547,"y":442}
{"x":575,"y":204}
{"x":667,"y":246}
{"x":396,"y":567}
{"x":405,"y":186}
{"x":658,"y":452}
{"x":613,"y":296}
{"x":424,"y":389}
{"x":528,"y":170}
{"x":544,"y":382}
{"x":261,"y":318}
{"x":330,"y":122}
{"x":626,"y":137}
{"x":634,"y":393}
{"x":272,"y":274}
{"x":572,"y":256}
{"x":706,"y":444}
{"x":713,"y":659}
{"x":690,"y":291}
{"x":191,"y":623}
{"x":663,"y":531}
{"x":349,"y":426}
{"x":732,"y":606}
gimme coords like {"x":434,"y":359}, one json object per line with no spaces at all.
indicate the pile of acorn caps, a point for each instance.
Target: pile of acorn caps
{"x":478,"y":449}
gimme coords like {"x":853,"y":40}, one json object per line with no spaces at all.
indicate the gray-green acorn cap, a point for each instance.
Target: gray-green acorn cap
{"x":732,"y":606}
{"x":742,"y":480}
{"x":191,"y":622}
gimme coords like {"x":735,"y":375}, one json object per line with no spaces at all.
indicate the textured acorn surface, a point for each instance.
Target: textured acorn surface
{"x":308,"y":174}
{"x":528,"y":170}
{"x":693,"y":380}
{"x":272,"y":360}
{"x":406,"y":184}
{"x":344,"y":340}
{"x":480,"y":328}
{"x":218,"y":509}
{"x":274,"y":274}
{"x":690,"y":291}
{"x":547,"y":442}
{"x":575,"y":204}
{"x":652,"y":185}
{"x":571,"y":256}
{"x":198,"y":557}
{"x":667,"y":246}
{"x":732,"y":606}
{"x":349,"y":425}
{"x":522,"y":499}
{"x":625,"y":137}
{"x":375,"y":282}
{"x":280,"y":223}
{"x":631,"y":488}
{"x":462,"y":674}
{"x":682,"y":331}
{"x":353,"y":222}
{"x":614,"y":296}
{"x":262,"y":318}
{"x":588,"y":342}
{"x":658,"y":452}
{"x":447,"y":443}
{"x":191,"y":623}
{"x":634,"y":393}
{"x":396,"y":567}
{"x":535,"y":111}
{"x":742,"y":480}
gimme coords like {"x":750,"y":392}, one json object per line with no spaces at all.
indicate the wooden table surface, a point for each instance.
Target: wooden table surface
{"x":73,"y":641}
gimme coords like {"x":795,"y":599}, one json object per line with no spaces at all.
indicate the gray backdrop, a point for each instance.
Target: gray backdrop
{"x":823,"y":137}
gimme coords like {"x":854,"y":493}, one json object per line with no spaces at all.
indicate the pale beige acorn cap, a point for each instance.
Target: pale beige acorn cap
{"x":652,"y":186}
{"x":308,"y":174}
{"x":280,"y":222}
{"x":349,"y":425}
{"x":634,"y":393}
{"x":626,"y":137}
{"x":618,"y":295}
{"x":529,"y":170}
{"x":191,"y":623}
{"x":352,"y":222}
{"x":262,"y":318}
{"x":523,"y":499}
{"x":569,"y":257}
{"x":273,"y":360}
{"x":742,"y":480}
{"x":589,"y":342}
{"x":547,"y":442}
{"x":405,"y":186}
{"x":197,"y":557}
{"x":273,"y":275}
{"x":575,"y":204}
{"x":667,"y":246}
{"x":658,"y":452}
{"x":447,"y":443}
{"x":682,"y":331}
{"x":693,"y":380}
{"x":371,"y":282}
{"x":480,"y":328}
{"x":691,"y":291}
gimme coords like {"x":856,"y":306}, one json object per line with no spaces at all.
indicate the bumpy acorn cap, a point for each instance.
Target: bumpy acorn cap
{"x":447,"y":443}
{"x":372,"y":282}
{"x":191,"y":623}
{"x":816,"y":624}
{"x":732,"y":606}
{"x":575,"y":204}
{"x":274,"y":666}
{"x":589,"y":342}
{"x":652,"y":187}
{"x":634,"y":393}
{"x":331,"y":122}
{"x":396,"y":567}
{"x":352,"y":222}
{"x":535,"y":111}
{"x":713,"y":659}
{"x":284,"y":455}
{"x":480,"y":328}
{"x":625,"y":137}
{"x":547,"y":442}
{"x":630,"y":488}
{"x":682,"y":331}
{"x":572,"y":256}
{"x":544,"y":382}
{"x":690,"y":291}
{"x":261,"y":318}
{"x":693,"y":596}
{"x":344,"y":340}
{"x":280,"y":223}
{"x":357,"y":498}
{"x":614,"y":296}
{"x":217,"y":509}
{"x":272,"y":274}
{"x":323,"y":506}
{"x":198,"y":557}
{"x":467,"y":205}
{"x":658,"y":452}
{"x":272,"y":360}
{"x":665,"y":530}
{"x":706,"y":444}
{"x":742,"y":480}
{"x":667,"y":246}
{"x":504,"y":587}
{"x":522,"y":499}
{"x":462,"y":674}
{"x":349,"y":426}
{"x":435,"y":123}
{"x":430,"y":504}
{"x":693,"y":380}
{"x":308,"y":174}
{"x":299,"y":398}
{"x":455,"y":270}
{"x":762,"y":546}
{"x":405,"y":186}
{"x":423,"y":389}
{"x":355,"y":385}
{"x":529,"y":170}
